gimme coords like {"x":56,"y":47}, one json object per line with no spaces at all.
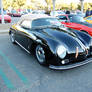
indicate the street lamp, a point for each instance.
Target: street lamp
{"x":81,"y":5}
{"x":54,"y":7}
{"x":1,"y":7}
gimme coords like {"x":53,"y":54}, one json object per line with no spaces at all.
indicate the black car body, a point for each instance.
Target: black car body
{"x":54,"y":45}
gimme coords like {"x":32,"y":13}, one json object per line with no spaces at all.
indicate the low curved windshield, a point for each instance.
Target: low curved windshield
{"x":76,"y":19}
{"x":45,"y":22}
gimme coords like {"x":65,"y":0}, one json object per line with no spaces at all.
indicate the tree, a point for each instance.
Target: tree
{"x":49,"y":4}
{"x":20,"y":3}
{"x":79,"y":7}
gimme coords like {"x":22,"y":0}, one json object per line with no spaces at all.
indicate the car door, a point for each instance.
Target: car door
{"x":22,"y":34}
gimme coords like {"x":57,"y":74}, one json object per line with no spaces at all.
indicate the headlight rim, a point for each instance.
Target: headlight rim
{"x":63,"y":52}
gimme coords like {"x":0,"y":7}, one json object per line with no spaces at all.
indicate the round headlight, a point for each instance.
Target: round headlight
{"x":61,"y":51}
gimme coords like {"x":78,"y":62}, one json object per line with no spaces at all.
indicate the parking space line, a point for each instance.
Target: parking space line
{"x":21,"y":76}
{"x":6,"y":80}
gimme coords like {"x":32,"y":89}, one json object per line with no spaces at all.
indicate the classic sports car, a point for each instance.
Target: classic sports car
{"x":89,"y":19}
{"x":53,"y":45}
{"x":76,"y":22}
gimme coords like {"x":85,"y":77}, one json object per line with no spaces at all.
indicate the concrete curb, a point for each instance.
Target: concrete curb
{"x":4,"y":28}
{"x":4,"y":32}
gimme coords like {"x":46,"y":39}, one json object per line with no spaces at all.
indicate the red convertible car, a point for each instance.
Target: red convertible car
{"x":76,"y":22}
{"x":14,"y":13}
{"x":7,"y":18}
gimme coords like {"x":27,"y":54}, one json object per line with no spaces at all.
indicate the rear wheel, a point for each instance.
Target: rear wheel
{"x":12,"y":37}
{"x":40,"y":55}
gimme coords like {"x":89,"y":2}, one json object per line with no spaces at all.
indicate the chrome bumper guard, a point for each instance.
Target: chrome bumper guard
{"x":65,"y":67}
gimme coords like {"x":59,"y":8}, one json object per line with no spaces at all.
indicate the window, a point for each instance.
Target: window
{"x":62,"y":17}
{"x":26,"y":24}
{"x":45,"y":22}
{"x":76,"y":19}
{"x":89,"y":18}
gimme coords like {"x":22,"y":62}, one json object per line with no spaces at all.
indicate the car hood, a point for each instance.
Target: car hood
{"x":85,"y":23}
{"x":67,"y":39}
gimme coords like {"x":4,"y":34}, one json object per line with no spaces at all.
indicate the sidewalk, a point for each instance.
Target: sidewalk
{"x":4,"y":28}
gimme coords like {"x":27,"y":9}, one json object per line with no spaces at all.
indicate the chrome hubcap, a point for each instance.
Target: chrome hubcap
{"x":40,"y":54}
{"x":12,"y":37}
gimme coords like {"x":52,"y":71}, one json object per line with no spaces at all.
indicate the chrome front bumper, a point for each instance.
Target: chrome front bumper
{"x":65,"y":67}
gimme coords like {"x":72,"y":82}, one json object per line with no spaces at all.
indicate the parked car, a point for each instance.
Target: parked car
{"x":7,"y":18}
{"x":38,"y":12}
{"x":14,"y":13}
{"x":56,"y":13}
{"x":76,"y":22}
{"x":88,"y":19}
{"x":80,"y":13}
{"x":52,"y":44}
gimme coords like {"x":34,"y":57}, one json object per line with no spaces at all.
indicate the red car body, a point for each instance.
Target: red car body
{"x":82,"y":26}
{"x":7,"y":19}
{"x":14,"y":13}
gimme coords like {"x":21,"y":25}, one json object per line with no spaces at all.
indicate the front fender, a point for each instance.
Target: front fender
{"x":84,"y":37}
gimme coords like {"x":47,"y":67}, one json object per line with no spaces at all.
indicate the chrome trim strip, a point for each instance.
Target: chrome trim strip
{"x":70,"y":66}
{"x":22,"y":47}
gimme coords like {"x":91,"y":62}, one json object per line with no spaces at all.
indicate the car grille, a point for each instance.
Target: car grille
{"x":81,"y":57}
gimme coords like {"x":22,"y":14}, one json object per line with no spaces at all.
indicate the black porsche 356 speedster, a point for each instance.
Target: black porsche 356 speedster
{"x":53,"y":44}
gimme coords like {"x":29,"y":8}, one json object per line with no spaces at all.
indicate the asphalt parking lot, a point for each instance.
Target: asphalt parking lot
{"x":20,"y":72}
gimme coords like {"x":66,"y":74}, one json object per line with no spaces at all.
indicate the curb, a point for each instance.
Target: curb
{"x":4,"y":32}
{"x":5,"y":26}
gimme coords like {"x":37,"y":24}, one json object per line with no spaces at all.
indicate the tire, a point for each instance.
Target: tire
{"x":40,"y":55}
{"x":12,"y":37}
{"x":6,"y":21}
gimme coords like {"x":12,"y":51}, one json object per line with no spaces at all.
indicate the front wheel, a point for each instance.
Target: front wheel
{"x":40,"y":55}
{"x":12,"y":37}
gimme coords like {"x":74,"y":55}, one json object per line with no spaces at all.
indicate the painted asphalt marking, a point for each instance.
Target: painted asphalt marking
{"x":21,"y":76}
{"x":6,"y":80}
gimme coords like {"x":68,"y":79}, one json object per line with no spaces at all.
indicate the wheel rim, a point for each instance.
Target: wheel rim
{"x":12,"y":37}
{"x":40,"y":54}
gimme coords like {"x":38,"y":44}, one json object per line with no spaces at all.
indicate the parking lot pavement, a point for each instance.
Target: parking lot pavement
{"x":4,"y":28}
{"x":20,"y":72}
{"x":4,"y":31}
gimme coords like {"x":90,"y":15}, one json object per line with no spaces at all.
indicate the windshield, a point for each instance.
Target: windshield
{"x":76,"y":19}
{"x":14,"y":11}
{"x":60,"y":12}
{"x":45,"y":22}
{"x":89,"y":18}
